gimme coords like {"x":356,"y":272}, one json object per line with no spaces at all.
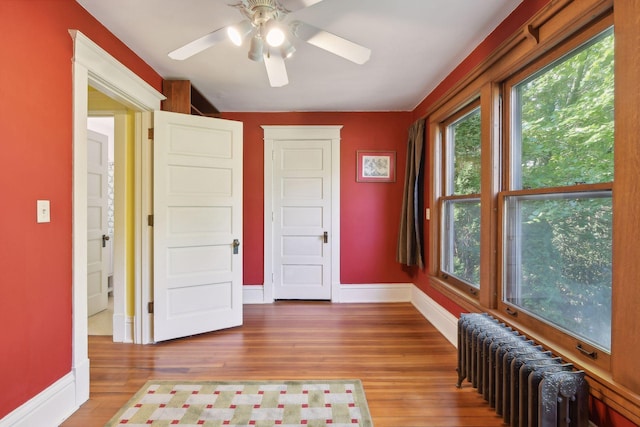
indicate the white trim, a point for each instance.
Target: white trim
{"x":80,"y":356}
{"x":120,"y":223}
{"x":380,"y":292}
{"x":272,"y":133}
{"x":112,"y":78}
{"x":49,"y":408}
{"x":143,"y":321}
{"x":123,"y":328}
{"x":445,"y":322}
{"x":91,"y":66}
{"x":253,"y":294}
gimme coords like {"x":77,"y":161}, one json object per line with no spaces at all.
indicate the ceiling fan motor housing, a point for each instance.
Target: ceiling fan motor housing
{"x":262,"y":11}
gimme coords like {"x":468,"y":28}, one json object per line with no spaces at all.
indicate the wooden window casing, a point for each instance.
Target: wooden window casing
{"x":450,"y":196}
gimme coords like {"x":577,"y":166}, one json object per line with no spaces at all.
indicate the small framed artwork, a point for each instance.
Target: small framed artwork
{"x":376,"y":166}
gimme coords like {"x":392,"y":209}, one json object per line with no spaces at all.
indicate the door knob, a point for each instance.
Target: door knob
{"x":236,"y":244}
{"x":104,"y":240}
{"x":326,"y":237}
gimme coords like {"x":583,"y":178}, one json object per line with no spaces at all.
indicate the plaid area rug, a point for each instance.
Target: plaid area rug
{"x":309,"y":403}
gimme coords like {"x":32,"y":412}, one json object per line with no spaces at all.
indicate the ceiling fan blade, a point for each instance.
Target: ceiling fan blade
{"x":276,"y":70}
{"x":331,"y":42}
{"x":293,"y":5}
{"x":198,"y":45}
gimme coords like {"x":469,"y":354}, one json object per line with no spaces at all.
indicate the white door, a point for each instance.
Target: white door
{"x":197,"y":225}
{"x":97,"y":234}
{"x":302,"y":219}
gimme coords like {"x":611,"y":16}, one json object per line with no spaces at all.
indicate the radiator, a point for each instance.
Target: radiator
{"x":523,"y":382}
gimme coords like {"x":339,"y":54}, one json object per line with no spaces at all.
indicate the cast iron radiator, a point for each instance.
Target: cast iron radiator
{"x":525,"y":384}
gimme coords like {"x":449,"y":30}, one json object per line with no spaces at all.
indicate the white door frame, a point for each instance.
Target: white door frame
{"x":93,"y":66}
{"x":271,"y":134}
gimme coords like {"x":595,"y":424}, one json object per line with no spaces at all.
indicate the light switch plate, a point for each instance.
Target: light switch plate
{"x":44,"y":211}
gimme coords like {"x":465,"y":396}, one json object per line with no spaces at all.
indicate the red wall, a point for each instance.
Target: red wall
{"x":370,"y":212}
{"x":35,"y":163}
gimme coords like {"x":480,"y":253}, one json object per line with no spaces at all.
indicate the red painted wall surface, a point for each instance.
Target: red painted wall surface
{"x":370,"y":212}
{"x":35,"y":163}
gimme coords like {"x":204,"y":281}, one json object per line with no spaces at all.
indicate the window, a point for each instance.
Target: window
{"x":460,"y":252}
{"x":557,"y":227}
{"x":553,"y":217}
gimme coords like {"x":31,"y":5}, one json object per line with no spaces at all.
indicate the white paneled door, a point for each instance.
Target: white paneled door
{"x":97,"y":233}
{"x":197,"y":225}
{"x":302,"y":219}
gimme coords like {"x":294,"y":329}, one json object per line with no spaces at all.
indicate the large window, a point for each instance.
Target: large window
{"x":558,"y":248}
{"x":460,"y":259}
{"x":557,"y":209}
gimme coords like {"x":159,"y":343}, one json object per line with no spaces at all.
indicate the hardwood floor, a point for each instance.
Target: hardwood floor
{"x":406,"y":366}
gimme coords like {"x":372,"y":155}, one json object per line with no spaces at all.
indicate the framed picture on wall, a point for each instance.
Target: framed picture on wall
{"x":376,"y":166}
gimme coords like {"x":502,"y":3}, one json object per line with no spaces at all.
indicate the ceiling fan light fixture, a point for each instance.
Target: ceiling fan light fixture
{"x":256,"y":48}
{"x":275,"y":35}
{"x":238,"y":32}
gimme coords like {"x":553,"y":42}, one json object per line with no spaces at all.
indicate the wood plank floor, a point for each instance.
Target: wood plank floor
{"x":406,"y":366}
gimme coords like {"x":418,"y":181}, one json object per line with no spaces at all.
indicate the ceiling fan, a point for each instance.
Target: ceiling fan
{"x":271,"y":40}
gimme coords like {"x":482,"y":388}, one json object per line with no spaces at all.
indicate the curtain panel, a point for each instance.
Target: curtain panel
{"x":409,"y":251}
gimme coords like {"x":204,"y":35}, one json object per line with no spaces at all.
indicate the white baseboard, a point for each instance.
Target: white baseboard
{"x":356,"y":293}
{"x":128,"y":329}
{"x":253,"y":294}
{"x":445,"y":322}
{"x":122,"y":328}
{"x":380,"y":292}
{"x":49,"y":408}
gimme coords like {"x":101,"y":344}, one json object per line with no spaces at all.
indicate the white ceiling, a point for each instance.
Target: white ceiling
{"x":414,"y":44}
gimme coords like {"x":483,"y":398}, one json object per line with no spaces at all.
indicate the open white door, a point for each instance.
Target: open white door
{"x":197,"y":181}
{"x":97,"y":233}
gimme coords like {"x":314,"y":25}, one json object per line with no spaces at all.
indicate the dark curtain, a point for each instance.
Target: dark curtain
{"x":410,"y":236}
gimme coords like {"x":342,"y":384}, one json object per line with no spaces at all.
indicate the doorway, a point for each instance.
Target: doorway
{"x":94,"y":67}
{"x":302,"y":212}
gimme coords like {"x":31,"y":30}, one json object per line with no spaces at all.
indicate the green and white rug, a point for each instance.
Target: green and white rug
{"x":310,"y":403}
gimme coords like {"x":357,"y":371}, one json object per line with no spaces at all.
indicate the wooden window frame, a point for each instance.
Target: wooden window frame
{"x":445,"y":176}
{"x":578,"y":348}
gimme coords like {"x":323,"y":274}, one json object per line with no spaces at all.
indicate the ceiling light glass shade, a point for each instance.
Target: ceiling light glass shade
{"x":287,"y":49}
{"x":238,"y":32}
{"x":275,"y":36}
{"x":256,"y":48}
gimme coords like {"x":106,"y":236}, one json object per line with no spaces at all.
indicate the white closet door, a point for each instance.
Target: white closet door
{"x":302,"y":219}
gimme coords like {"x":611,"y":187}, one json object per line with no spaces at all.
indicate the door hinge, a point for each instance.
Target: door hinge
{"x":150,"y":220}
{"x":150,"y":307}
{"x":150,"y":134}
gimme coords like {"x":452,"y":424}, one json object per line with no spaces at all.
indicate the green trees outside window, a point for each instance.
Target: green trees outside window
{"x":461,"y":206}
{"x":558,"y":214}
